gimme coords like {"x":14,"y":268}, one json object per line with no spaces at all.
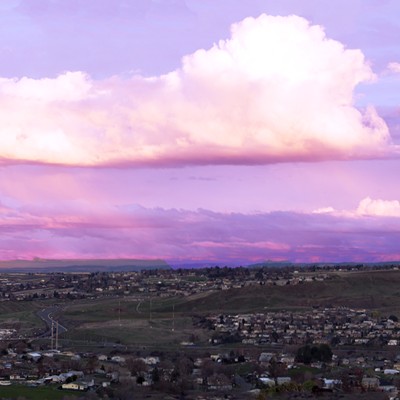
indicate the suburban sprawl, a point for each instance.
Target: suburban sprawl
{"x":206,"y":333}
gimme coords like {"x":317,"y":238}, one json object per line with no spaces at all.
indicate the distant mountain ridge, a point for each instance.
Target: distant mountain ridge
{"x":81,"y":265}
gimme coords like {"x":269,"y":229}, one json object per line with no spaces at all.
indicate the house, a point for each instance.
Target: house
{"x":389,"y":389}
{"x":389,"y":371}
{"x":80,"y":386}
{"x":70,"y":374}
{"x":265,"y":357}
{"x":332,"y":383}
{"x":370,"y":383}
{"x":151,"y":360}
{"x":118,"y":359}
{"x":282,"y":380}
{"x":52,"y":379}
{"x":267,"y":381}
{"x":219,"y":382}
{"x":16,"y":377}
{"x":113,"y":376}
{"x":35,"y":356}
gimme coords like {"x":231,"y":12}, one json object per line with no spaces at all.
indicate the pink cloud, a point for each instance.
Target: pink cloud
{"x":181,"y":235}
{"x":277,"y":90}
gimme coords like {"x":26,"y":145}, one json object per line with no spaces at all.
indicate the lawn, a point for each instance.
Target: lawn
{"x":35,"y":393}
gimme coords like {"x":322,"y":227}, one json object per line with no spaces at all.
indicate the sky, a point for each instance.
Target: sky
{"x":222,"y":131}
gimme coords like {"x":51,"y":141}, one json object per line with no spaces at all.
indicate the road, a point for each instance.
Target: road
{"x":47,"y":315}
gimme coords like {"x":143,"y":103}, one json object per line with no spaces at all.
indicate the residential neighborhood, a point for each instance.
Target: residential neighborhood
{"x":195,"y":353}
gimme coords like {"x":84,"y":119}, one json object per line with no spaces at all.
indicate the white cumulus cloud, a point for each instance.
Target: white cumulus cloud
{"x":378,"y":207}
{"x":277,"y":90}
{"x":394,"y":67}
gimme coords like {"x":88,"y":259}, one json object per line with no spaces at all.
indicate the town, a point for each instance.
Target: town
{"x":162,"y":333}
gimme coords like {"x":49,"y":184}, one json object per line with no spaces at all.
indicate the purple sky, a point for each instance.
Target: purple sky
{"x":228,"y":131}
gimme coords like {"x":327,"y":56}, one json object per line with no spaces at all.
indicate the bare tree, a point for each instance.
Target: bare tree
{"x":136,"y":366}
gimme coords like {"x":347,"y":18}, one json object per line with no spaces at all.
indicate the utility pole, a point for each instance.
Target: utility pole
{"x":150,"y":308}
{"x":56,"y":335}
{"x":52,"y":334}
{"x":173,"y":317}
{"x":119,"y":312}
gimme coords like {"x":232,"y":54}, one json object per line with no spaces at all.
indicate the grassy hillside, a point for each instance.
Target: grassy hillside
{"x":21,"y":316}
{"x":371,"y":290}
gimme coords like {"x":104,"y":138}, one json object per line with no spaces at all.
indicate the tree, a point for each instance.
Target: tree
{"x":208,"y":368}
{"x":91,"y":365}
{"x":304,"y":355}
{"x":136,"y":366}
{"x":308,"y":354}
{"x":276,"y":369}
{"x":155,"y":375}
{"x":325,"y":353}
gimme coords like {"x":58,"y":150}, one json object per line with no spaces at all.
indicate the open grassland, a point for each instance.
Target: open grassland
{"x":157,"y":332}
{"x":130,"y":321}
{"x":107,"y":309}
{"x":8,"y":307}
{"x":127,"y":308}
{"x":23,"y":321}
{"x":21,"y":315}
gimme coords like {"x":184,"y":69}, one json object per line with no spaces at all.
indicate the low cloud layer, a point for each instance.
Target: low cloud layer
{"x":182,"y":235}
{"x":278,"y":90}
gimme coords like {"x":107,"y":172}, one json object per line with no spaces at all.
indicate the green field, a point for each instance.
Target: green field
{"x":35,"y":393}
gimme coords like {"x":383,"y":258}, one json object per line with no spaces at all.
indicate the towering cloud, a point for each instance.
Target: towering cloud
{"x":277,"y":90}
